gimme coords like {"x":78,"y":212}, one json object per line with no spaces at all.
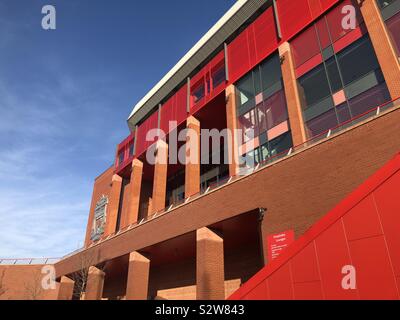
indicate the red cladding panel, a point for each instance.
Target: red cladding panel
{"x":333,"y":254}
{"x":293,"y":16}
{"x":374,"y":273}
{"x":148,"y":124}
{"x":388,"y":205}
{"x":280,"y":284}
{"x":335,"y":18}
{"x":259,"y":293}
{"x":239,"y":56}
{"x":326,"y":4}
{"x":315,"y":7}
{"x":362,"y":231}
{"x":305,"y":265}
{"x":174,"y":110}
{"x":308,"y":291}
{"x":362,"y":221}
{"x":305,"y":46}
{"x":265,"y":37}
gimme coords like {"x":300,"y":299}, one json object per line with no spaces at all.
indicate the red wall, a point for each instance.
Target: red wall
{"x":141,"y":144}
{"x":363,"y":231}
{"x":175,"y":109}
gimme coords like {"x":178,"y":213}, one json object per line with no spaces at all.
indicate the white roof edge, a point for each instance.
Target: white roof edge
{"x":229,"y":14}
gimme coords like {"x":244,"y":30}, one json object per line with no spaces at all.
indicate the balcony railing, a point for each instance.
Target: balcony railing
{"x":28,"y":261}
{"x":223,"y":182}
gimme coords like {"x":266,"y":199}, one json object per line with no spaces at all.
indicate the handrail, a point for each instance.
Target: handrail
{"x":286,"y":153}
{"x":28,"y":261}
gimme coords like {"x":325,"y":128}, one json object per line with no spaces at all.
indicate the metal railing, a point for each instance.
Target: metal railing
{"x":376,"y":111}
{"x":28,"y":261}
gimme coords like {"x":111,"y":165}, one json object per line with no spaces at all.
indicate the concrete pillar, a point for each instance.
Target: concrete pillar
{"x":293,"y":100}
{"x":136,"y":185}
{"x":65,"y":289}
{"x":138,"y":277}
{"x":192,"y":168}
{"x":210,"y":274}
{"x":384,"y":49}
{"x":231,"y":125}
{"x":95,"y":284}
{"x":113,"y":205}
{"x":160,"y":177}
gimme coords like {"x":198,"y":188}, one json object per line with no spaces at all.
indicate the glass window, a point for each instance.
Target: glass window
{"x":357,"y":60}
{"x":369,"y":99}
{"x":276,"y":109}
{"x":245,"y":88}
{"x":131,"y":146}
{"x":248,"y":124}
{"x":322,"y":123}
{"x":121,"y":157}
{"x":334,"y":76}
{"x":384,"y":3}
{"x":199,"y":93}
{"x":271,"y":72}
{"x":281,"y":144}
{"x":218,"y":76}
{"x":314,"y":86}
{"x":394,"y":27}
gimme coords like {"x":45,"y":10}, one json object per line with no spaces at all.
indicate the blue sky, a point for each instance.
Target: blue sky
{"x":65,"y":95}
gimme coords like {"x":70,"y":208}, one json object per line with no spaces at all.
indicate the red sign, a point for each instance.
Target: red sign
{"x":278,"y":242}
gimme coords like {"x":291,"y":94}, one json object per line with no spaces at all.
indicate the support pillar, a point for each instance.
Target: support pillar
{"x":293,"y":100}
{"x":192,"y":167}
{"x":210,"y":274}
{"x":65,"y":289}
{"x":384,"y":49}
{"x":231,"y":125}
{"x":138,"y":277}
{"x":113,"y":204}
{"x":95,"y":284}
{"x":160,"y":177}
{"x":136,"y":186}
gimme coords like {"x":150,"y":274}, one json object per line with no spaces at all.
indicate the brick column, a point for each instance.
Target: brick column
{"x":210,"y":274}
{"x":95,"y":283}
{"x":292,"y":95}
{"x":65,"y":289}
{"x":384,"y":49}
{"x":136,"y":185}
{"x":160,"y":177}
{"x":192,"y":168}
{"x":113,"y":205}
{"x":231,"y":125}
{"x":138,"y":277}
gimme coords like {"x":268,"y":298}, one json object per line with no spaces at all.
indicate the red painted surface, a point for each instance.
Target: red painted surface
{"x":362,"y":231}
{"x":141,"y":143}
{"x":249,"y":48}
{"x":279,"y":242}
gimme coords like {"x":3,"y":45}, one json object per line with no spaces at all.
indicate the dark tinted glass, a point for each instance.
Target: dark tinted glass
{"x":333,"y":73}
{"x":357,"y":60}
{"x":314,"y":85}
{"x":245,"y":89}
{"x":270,"y":72}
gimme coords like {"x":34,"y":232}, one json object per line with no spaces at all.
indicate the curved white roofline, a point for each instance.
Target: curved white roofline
{"x":228,"y":15}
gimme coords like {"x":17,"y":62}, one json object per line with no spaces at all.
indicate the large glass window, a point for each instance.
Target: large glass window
{"x":199,"y":93}
{"x":344,"y":86}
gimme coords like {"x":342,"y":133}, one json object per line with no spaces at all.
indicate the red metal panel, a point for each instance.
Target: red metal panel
{"x":305,"y":46}
{"x":362,"y":221}
{"x":333,"y":254}
{"x":239,"y":56}
{"x":326,"y":4}
{"x":265,"y":37}
{"x":308,"y":291}
{"x":374,"y":273}
{"x":375,"y":257}
{"x":148,"y":124}
{"x":293,"y":16}
{"x":260,"y":292}
{"x":349,"y":38}
{"x":280,"y":284}
{"x":335,"y":18}
{"x":305,"y":266}
{"x":388,"y":205}
{"x":315,"y":7}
